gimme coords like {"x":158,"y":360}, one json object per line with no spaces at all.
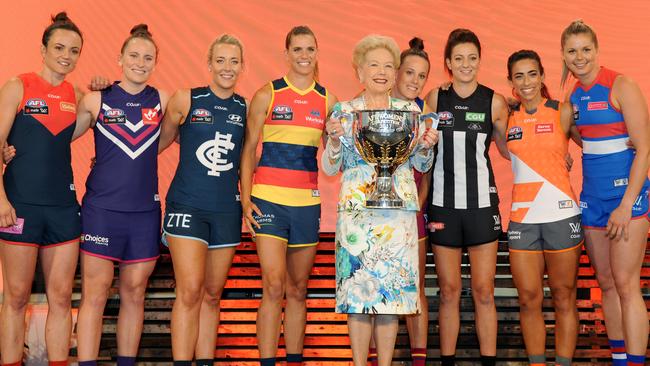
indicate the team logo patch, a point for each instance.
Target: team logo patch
{"x":576,"y":112}
{"x":315,"y":112}
{"x":597,"y":106}
{"x":474,"y":117}
{"x":474,"y":126}
{"x":544,"y":128}
{"x":68,"y":107}
{"x":210,"y":154}
{"x":565,"y":204}
{"x":446,"y":119}
{"x":433,"y":226}
{"x":36,"y":106}
{"x":515,"y":133}
{"x":282,"y":113}
{"x":201,"y":115}
{"x":620,"y":182}
{"x":114,"y":115}
{"x":149,"y":116}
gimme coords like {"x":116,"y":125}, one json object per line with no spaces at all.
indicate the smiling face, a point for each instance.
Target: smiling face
{"x":138,"y":60}
{"x":527,"y":80}
{"x":226,"y":64}
{"x":377,"y":72}
{"x":62,"y":51}
{"x":411,"y":77}
{"x":302,"y":54}
{"x":464,"y":62}
{"x":580,"y":55}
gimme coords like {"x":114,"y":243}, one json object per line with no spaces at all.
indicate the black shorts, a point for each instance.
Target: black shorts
{"x":460,"y":228}
{"x":44,"y":226}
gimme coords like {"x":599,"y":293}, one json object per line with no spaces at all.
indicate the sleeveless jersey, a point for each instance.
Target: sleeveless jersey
{"x":211,"y":138}
{"x":125,"y":175}
{"x":287,"y":172}
{"x":462,"y":171}
{"x":40,"y":173}
{"x":541,"y":192}
{"x":606,"y":158}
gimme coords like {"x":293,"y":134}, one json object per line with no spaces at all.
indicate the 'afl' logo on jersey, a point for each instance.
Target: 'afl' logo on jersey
{"x":114,"y":115}
{"x":446,"y":119}
{"x":282,"y":112}
{"x":201,"y":115}
{"x":515,"y":133}
{"x":36,"y":106}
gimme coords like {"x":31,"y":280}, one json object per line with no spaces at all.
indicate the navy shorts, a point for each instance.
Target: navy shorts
{"x":120,"y":236}
{"x":44,"y":226}
{"x":214,"y":229}
{"x":596,"y":211}
{"x":460,"y":228}
{"x":297,"y":225}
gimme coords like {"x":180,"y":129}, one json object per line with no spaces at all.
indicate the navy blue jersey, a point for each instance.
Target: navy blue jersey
{"x":40,"y":173}
{"x":125,"y":175}
{"x":211,"y":139}
{"x":420,"y":102}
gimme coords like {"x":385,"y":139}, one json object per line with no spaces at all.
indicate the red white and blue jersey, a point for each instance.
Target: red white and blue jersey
{"x":606,"y":157}
{"x":125,"y":175}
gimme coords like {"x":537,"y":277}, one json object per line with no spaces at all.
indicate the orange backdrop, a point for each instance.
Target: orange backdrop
{"x":184,"y":29}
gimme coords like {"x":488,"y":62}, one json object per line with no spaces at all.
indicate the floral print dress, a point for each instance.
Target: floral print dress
{"x":376,"y":249}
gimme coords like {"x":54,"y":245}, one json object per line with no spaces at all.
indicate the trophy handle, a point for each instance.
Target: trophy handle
{"x":433,"y":117}
{"x":345,"y":140}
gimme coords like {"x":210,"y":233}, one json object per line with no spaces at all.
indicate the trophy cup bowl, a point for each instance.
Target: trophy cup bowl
{"x":386,"y":139}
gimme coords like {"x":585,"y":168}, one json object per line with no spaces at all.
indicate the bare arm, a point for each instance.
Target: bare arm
{"x":254,"y":125}
{"x":500,"y":124}
{"x":11,"y":95}
{"x":176,"y":112}
{"x":431,"y":101}
{"x":423,"y":189}
{"x":87,"y":112}
{"x":631,"y":102}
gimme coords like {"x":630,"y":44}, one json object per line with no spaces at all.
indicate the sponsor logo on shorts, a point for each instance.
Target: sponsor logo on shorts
{"x":493,"y":189}
{"x":237,"y":197}
{"x":620,"y":182}
{"x":565,"y":204}
{"x":515,"y":133}
{"x":72,"y":187}
{"x":544,"y":128}
{"x":235,"y":119}
{"x":36,"y":106}
{"x":156,"y":197}
{"x":583,"y":204}
{"x":446,"y":119}
{"x":114,"y":115}
{"x":178,"y":220}
{"x":637,"y":203}
{"x":264,"y":219}
{"x":68,"y":107}
{"x":497,"y":222}
{"x":597,"y":106}
{"x":201,"y":115}
{"x":433,"y":226}
{"x":149,"y":116}
{"x":95,"y":239}
{"x":282,"y":113}
{"x":576,"y":230}
{"x":514,"y":235}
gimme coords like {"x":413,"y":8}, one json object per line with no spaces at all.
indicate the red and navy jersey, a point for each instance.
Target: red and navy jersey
{"x":287,"y":172}
{"x":211,"y":138}
{"x":125,"y":175}
{"x":606,"y":157}
{"x":40,"y":173}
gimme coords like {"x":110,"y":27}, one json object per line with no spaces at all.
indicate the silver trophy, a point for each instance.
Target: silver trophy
{"x":385,"y":139}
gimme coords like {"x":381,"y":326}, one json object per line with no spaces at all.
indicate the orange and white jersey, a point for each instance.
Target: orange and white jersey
{"x":538,"y":146}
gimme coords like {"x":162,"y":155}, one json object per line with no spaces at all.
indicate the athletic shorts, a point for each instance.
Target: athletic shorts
{"x":43,"y":226}
{"x":462,"y":228}
{"x":422,"y":222}
{"x":214,"y":229}
{"x":297,"y":225}
{"x":596,"y":211}
{"x":558,"y":236}
{"x":120,"y":236}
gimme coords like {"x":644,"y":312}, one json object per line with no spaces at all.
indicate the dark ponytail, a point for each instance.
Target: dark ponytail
{"x":60,"y":21}
{"x":416,"y":48}
{"x":527,"y":55}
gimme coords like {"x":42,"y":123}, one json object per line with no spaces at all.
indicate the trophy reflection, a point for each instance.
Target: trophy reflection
{"x":385,"y":139}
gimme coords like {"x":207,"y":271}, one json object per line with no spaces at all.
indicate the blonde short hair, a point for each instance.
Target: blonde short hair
{"x":373,"y":42}
{"x":226,"y":39}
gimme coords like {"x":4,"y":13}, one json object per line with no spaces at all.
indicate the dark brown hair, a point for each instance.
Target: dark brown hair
{"x":527,"y":55}
{"x":416,"y":48}
{"x":60,"y":21}
{"x":456,"y":37}
{"x":140,"y":31}
{"x":301,"y":30}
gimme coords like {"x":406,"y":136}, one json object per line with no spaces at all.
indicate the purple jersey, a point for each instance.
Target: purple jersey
{"x":125,"y":175}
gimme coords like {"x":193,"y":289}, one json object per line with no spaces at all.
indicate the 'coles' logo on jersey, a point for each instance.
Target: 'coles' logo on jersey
{"x":282,"y":113}
{"x":515,"y":133}
{"x":36,"y":106}
{"x":201,"y":115}
{"x":597,"y":106}
{"x":149,"y":116}
{"x":114,"y":115}
{"x":446,"y":119}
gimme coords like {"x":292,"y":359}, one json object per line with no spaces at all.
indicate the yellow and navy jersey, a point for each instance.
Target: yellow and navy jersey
{"x":287,"y":172}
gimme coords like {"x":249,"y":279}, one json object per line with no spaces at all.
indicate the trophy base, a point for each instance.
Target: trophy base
{"x":385,"y":203}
